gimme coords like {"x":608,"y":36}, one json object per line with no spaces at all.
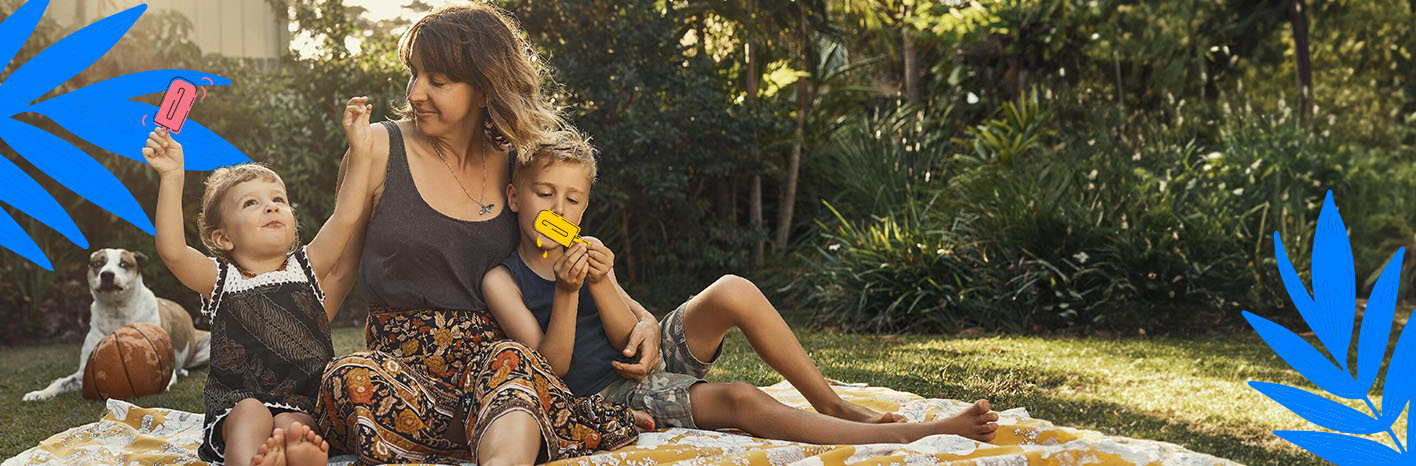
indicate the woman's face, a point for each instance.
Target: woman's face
{"x":440,"y":105}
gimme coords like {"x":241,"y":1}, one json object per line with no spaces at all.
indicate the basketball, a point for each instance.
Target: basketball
{"x":133,"y":361}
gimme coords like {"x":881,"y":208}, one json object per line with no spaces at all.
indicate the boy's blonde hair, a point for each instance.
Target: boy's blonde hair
{"x":217,"y":185}
{"x":481,"y":45}
{"x":562,"y":146}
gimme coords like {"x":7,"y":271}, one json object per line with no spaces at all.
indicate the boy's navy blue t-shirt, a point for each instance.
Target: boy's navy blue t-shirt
{"x":590,"y":370}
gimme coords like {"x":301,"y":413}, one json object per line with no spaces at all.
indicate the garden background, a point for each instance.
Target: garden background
{"x":1025,"y":175}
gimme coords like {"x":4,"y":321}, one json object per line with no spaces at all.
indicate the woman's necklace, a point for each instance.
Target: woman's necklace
{"x":480,"y":193}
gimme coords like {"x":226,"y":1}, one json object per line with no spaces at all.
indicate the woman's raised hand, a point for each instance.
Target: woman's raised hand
{"x":356,"y":125}
{"x":163,"y":152}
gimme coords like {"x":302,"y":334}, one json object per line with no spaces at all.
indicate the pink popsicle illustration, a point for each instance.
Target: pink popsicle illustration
{"x":176,"y":104}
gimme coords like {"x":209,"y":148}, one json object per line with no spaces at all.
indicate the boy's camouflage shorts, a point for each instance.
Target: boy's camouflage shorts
{"x":664,"y":392}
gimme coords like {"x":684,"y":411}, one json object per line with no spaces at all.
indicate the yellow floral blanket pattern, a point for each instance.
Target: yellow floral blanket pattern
{"x":129,"y":434}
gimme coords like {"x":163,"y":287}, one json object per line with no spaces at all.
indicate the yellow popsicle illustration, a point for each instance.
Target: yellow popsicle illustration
{"x":557,"y":228}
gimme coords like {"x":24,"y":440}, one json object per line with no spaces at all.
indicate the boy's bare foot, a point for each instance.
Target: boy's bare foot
{"x":642,"y":420}
{"x":854,"y":412}
{"x":304,"y":447}
{"x":272,"y":452}
{"x":976,"y":423}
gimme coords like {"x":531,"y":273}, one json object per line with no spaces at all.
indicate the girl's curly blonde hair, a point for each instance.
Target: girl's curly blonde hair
{"x":217,"y":185}
{"x":481,"y":45}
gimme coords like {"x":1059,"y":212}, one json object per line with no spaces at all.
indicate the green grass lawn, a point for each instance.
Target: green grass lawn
{"x":1187,"y":391}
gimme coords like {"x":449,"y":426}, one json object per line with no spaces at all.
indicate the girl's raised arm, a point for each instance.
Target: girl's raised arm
{"x":352,"y":205}
{"x":194,"y":269}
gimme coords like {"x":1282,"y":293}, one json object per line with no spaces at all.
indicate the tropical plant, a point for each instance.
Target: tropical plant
{"x":100,"y":113}
{"x":1003,"y":140}
{"x":1330,"y":311}
{"x":902,"y":270}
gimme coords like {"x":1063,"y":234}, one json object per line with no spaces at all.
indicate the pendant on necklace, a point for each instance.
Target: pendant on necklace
{"x":486,"y":208}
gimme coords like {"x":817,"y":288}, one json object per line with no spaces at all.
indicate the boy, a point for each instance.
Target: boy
{"x":567,"y":304}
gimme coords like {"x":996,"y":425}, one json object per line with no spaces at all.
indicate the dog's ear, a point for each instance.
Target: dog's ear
{"x":141,"y":258}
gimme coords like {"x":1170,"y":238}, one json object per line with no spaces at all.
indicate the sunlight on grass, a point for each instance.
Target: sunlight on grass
{"x":1191,"y":392}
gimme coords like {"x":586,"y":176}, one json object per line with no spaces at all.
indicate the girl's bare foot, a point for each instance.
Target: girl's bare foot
{"x":977,"y":423}
{"x":642,"y":420}
{"x":272,"y":452}
{"x":854,"y":412}
{"x":304,"y":447}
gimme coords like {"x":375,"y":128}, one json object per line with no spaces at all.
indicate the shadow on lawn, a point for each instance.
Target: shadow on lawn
{"x":1037,"y":390}
{"x":1052,"y":376}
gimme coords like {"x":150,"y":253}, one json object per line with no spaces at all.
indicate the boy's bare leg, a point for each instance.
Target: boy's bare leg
{"x":743,"y":406}
{"x":244,"y":430}
{"x":513,"y":439}
{"x":734,"y":301}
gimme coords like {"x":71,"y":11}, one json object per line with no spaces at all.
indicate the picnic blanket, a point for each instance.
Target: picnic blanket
{"x":129,"y":434}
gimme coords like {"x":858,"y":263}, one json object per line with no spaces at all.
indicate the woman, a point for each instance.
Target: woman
{"x":440,"y":379}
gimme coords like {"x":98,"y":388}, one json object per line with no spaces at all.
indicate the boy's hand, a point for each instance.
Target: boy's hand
{"x":356,"y":125}
{"x":643,"y":341}
{"x":163,"y":153}
{"x":571,"y":268}
{"x":601,"y":259}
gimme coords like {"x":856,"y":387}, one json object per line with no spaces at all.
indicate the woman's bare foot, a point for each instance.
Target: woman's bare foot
{"x":854,"y":412}
{"x":272,"y":452}
{"x":977,"y":423}
{"x":642,"y":420}
{"x":304,"y":447}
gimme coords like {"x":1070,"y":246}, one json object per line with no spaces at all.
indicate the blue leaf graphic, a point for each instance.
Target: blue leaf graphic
{"x":1376,"y":322}
{"x":100,"y":113}
{"x":1343,"y":450}
{"x":131,"y":85}
{"x":1400,"y":377}
{"x":118,"y":128}
{"x":66,"y":58}
{"x":1334,"y":284}
{"x":1307,"y":361}
{"x":75,"y":170}
{"x":13,"y":237}
{"x":1321,"y":411}
{"x":18,"y":27}
{"x":23,"y":193}
{"x":1297,"y":290}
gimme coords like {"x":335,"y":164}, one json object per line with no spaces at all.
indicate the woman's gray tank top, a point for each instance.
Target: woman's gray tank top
{"x":416,"y":257}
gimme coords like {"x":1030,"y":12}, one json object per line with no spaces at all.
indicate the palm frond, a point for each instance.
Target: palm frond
{"x":1330,"y":311}
{"x":100,"y":113}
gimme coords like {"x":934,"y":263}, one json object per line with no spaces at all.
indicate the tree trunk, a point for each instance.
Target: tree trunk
{"x":732,"y":190}
{"x":755,"y":210}
{"x":911,"y":59}
{"x":703,"y":39}
{"x":1298,"y":15}
{"x":723,"y":200}
{"x":788,"y":202}
{"x":626,"y":252}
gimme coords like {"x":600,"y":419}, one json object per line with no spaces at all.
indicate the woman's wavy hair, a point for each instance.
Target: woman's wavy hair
{"x":481,"y":45}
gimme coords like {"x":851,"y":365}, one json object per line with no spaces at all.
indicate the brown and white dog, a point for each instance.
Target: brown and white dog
{"x":120,"y":298}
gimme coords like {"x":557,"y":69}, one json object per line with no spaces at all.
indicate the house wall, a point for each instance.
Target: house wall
{"x":236,"y":28}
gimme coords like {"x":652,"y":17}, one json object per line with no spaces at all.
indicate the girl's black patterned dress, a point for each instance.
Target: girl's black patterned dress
{"x":269,"y":341}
